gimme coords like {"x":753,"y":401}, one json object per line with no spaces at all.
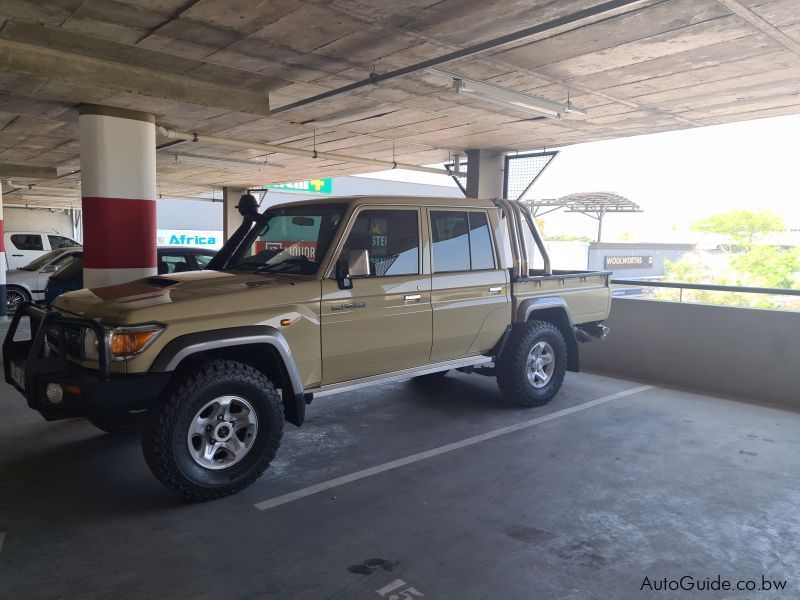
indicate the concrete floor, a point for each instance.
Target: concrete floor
{"x":657,"y":483}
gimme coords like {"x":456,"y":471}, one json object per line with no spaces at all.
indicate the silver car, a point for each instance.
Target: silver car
{"x":28,"y":282}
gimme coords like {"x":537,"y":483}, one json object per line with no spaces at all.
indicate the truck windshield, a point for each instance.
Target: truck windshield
{"x":292,"y":239}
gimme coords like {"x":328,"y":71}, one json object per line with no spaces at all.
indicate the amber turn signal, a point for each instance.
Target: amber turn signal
{"x":128,"y":343}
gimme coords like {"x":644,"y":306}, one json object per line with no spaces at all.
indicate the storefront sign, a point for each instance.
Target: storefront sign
{"x":310,"y":186}
{"x":628,"y":262}
{"x":189,"y":238}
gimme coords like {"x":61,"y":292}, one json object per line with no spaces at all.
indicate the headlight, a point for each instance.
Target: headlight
{"x":127,"y":342}
{"x":90,"y":345}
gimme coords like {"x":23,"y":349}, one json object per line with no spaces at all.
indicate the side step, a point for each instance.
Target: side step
{"x":346,"y":386}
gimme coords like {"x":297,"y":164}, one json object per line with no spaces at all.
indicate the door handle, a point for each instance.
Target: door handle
{"x":495,"y":290}
{"x":16,"y":255}
{"x":413,"y":298}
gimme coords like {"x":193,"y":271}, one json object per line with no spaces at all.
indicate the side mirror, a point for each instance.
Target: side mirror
{"x":50,"y":269}
{"x":355,"y":265}
{"x":342,"y":276}
{"x":358,"y":263}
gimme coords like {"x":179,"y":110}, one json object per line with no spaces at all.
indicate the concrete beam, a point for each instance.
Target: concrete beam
{"x":12,"y":170}
{"x":485,"y":173}
{"x":46,"y":63}
{"x":761,"y":24}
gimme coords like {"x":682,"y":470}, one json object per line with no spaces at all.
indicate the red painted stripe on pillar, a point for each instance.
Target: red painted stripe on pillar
{"x":119,"y":233}
{"x":2,"y":237}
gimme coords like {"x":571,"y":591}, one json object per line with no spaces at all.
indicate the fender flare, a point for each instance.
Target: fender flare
{"x":185,"y":346}
{"x":527,"y":310}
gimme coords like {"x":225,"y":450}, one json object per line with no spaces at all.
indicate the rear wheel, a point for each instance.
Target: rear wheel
{"x":14,"y":297}
{"x":533,"y":365}
{"x":216,"y":433}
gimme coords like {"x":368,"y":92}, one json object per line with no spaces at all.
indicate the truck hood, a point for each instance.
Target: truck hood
{"x":22,"y":277}
{"x":172,"y":297}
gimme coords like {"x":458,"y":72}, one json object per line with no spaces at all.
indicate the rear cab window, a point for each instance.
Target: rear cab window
{"x":59,"y":241}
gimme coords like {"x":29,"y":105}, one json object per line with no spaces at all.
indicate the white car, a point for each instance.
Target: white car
{"x":28,"y":282}
{"x":24,"y":246}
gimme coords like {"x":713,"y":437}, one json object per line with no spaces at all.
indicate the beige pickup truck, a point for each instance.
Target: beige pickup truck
{"x":308,"y":299}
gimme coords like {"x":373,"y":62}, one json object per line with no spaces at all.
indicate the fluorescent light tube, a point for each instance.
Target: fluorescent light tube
{"x":227,"y":163}
{"x":506,"y":97}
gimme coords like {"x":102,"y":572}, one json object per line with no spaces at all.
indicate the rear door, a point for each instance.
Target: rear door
{"x":469,"y":291}
{"x":383,"y":323}
{"x":24,"y":248}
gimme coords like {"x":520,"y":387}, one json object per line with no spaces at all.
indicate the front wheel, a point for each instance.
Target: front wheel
{"x":15,"y":296}
{"x":216,"y":433}
{"x":534,"y":364}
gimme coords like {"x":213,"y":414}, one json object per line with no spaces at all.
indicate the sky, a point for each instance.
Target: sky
{"x":677,"y":178}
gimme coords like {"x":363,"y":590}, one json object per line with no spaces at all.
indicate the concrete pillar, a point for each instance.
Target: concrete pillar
{"x":3,"y":264}
{"x":485,"y":173}
{"x":231,"y":218}
{"x":118,"y":185}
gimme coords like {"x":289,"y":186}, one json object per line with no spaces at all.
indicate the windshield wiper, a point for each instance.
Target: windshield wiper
{"x":289,"y":261}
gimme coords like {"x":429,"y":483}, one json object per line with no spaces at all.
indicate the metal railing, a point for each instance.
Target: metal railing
{"x":706,"y":287}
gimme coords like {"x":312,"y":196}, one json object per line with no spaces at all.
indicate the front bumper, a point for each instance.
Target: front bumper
{"x":30,"y":365}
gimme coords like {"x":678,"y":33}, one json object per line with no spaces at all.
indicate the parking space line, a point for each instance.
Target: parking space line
{"x":471,"y":441}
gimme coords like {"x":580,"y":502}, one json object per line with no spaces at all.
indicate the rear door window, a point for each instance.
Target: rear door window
{"x":461,"y":241}
{"x":480,"y":242}
{"x":27,"y":241}
{"x":450,"y":241}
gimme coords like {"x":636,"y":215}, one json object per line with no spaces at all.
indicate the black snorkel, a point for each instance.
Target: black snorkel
{"x":248,"y":208}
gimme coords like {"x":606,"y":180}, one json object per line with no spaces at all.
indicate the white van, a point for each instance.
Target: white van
{"x":24,"y":246}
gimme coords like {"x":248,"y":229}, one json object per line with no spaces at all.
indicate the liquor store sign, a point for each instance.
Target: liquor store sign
{"x":628,"y":262}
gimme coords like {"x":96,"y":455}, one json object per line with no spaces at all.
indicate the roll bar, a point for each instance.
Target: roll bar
{"x":548,"y":270}
{"x":517,"y":214}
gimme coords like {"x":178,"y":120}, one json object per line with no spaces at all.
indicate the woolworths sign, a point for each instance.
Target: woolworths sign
{"x":310,"y":186}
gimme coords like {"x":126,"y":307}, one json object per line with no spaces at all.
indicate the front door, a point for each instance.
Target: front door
{"x":383,"y":323}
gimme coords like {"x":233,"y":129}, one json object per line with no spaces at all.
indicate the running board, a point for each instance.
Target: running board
{"x":354,"y":384}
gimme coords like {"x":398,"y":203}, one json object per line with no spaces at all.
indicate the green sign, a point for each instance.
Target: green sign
{"x":310,"y":186}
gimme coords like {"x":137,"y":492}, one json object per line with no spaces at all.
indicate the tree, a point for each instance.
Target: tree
{"x":768,"y":266}
{"x":742,"y":227}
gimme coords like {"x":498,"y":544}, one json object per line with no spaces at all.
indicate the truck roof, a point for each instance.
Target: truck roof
{"x":395,"y":200}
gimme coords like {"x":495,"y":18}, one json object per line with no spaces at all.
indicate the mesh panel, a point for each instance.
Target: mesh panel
{"x":521,"y":169}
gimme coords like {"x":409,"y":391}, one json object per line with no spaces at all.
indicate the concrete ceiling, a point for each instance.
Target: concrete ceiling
{"x":216,"y":66}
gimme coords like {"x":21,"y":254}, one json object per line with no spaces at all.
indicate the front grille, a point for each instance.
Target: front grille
{"x":72,"y":340}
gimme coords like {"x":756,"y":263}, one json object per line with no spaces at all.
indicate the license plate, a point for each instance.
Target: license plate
{"x":18,"y":375}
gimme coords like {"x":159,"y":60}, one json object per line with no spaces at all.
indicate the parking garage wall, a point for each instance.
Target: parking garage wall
{"x":742,"y":352}
{"x":26,"y":219}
